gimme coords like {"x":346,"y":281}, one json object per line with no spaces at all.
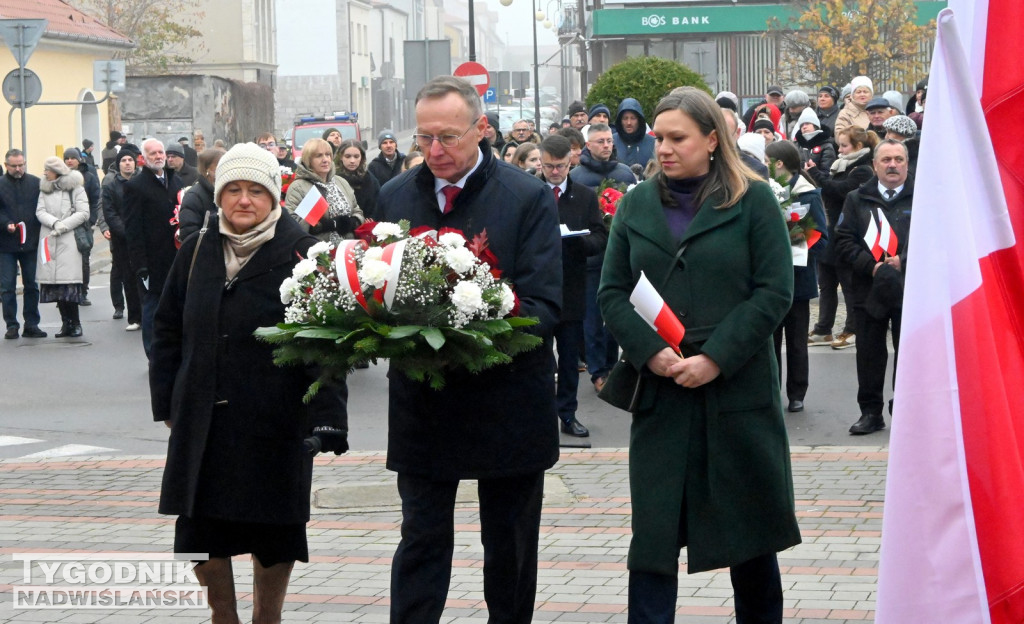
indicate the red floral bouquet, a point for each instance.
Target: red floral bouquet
{"x":429,"y":301}
{"x":287,"y":177}
{"x":609,"y":192}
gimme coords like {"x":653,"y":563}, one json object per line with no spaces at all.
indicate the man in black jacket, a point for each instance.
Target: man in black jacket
{"x":149,"y":200}
{"x":191,"y":156}
{"x":182,"y":170}
{"x":872,"y":237}
{"x":19,"y":240}
{"x":122,"y":278}
{"x":577,"y":210}
{"x":388,"y":162}
{"x":498,"y":426}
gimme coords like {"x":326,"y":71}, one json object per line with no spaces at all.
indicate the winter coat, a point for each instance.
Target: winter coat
{"x":18,"y":201}
{"x":366,"y":189}
{"x":62,"y":206}
{"x":148,"y":211}
{"x":235,"y":450}
{"x":112,"y":201}
{"x":195,"y":203}
{"x":109,"y":156}
{"x":818,"y":148}
{"x":592,"y":172}
{"x":828,"y":119}
{"x":636,"y":148}
{"x":861,"y":205}
{"x":578,"y":209}
{"x":383,"y":170}
{"x":710,"y":466}
{"x":852,"y":115}
{"x":846,"y":174}
{"x":91,"y":184}
{"x":501,"y":422}
{"x":188,"y":175}
{"x":305,"y":180}
{"x":805,"y":278}
{"x":191,"y":156}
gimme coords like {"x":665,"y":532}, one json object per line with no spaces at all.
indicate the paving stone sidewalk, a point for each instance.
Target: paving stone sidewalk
{"x":104,"y":505}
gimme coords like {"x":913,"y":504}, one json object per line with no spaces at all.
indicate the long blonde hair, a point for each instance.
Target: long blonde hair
{"x":728,"y":177}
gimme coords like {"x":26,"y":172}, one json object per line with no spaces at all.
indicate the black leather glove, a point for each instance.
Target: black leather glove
{"x":328,"y":439}
{"x":347,"y":225}
{"x":325,"y":224}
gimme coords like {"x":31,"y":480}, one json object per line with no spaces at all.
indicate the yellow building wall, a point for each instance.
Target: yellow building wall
{"x":65,"y":72}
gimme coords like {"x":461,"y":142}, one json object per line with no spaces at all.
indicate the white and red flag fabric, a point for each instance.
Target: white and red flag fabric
{"x":22,"y":232}
{"x":953,"y":526}
{"x":44,"y":250}
{"x":653,"y":309}
{"x":886,"y":237}
{"x":871,"y":239}
{"x":312,"y":207}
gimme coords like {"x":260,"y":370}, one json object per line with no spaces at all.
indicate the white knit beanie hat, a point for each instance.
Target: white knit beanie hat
{"x":248,"y":161}
{"x":753,"y":144}
{"x":808,"y":116}
{"x":862,"y":81}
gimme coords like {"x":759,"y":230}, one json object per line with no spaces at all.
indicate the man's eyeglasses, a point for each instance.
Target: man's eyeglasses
{"x":555,"y":166}
{"x":267,"y":144}
{"x":520,"y":130}
{"x":424,"y":141}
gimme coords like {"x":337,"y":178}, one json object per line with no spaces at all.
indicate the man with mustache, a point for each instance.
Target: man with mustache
{"x":880,"y":204}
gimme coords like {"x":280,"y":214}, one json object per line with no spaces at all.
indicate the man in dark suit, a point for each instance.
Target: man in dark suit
{"x":19,"y":240}
{"x":577,"y":210}
{"x":877,"y":284}
{"x":498,"y":426}
{"x":149,"y":200}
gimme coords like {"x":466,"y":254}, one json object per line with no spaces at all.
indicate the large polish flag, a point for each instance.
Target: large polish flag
{"x":953,"y":528}
{"x":312,"y":207}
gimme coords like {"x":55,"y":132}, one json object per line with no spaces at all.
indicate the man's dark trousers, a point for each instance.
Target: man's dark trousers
{"x":9,"y":262}
{"x":873,"y":357}
{"x":568,"y":337}
{"x":510,"y":510}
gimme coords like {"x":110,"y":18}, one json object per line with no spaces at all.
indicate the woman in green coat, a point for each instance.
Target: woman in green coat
{"x":709,"y":456}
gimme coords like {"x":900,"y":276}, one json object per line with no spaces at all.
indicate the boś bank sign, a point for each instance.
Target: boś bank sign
{"x":710,"y":19}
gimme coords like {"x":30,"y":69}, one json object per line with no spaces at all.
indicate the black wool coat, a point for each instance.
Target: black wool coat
{"x":18,"y":201}
{"x":384,"y":171}
{"x":148,"y":210}
{"x":503,"y":421}
{"x":235,"y":451}
{"x":578,"y":210}
{"x":113,"y":203}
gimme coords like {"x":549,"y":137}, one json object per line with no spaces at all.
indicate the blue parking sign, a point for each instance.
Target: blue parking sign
{"x":490,"y":96}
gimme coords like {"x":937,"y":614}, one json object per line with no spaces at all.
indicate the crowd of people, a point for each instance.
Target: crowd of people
{"x":201,"y":240}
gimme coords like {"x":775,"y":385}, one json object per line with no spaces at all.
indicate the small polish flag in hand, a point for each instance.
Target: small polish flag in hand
{"x":44,"y":250}
{"x":312,"y":207}
{"x":653,"y":309}
{"x":22,"y":232}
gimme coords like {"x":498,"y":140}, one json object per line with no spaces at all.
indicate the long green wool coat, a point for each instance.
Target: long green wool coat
{"x":709,"y":467}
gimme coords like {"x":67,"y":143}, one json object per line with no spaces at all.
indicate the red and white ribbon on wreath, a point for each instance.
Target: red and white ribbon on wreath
{"x":346,"y":266}
{"x":393,"y":257}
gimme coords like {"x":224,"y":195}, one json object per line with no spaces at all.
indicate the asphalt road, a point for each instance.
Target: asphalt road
{"x":88,"y":396}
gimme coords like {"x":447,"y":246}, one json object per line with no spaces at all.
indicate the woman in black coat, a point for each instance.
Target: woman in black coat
{"x":198,"y":199}
{"x":238,"y":474}
{"x":851,"y":169}
{"x":350,"y":163}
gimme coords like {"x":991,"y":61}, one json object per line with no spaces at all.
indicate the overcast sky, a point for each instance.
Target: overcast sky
{"x":302,"y":41}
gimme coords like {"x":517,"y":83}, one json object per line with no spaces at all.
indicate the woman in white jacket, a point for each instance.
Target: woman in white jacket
{"x":62,"y":207}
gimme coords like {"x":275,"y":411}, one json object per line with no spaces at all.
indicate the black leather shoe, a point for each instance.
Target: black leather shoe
{"x":868,"y":423}
{"x":65,"y":331}
{"x":575,"y":429}
{"x":76,"y":330}
{"x":118,"y":313}
{"x":795,"y":406}
{"x":12,"y":333}
{"x":33,"y":332}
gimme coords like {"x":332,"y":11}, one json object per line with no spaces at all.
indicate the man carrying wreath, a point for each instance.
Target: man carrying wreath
{"x":499,"y":426}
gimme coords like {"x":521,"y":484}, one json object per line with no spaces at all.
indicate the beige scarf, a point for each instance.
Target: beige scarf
{"x":845,"y":160}
{"x":239,"y":248}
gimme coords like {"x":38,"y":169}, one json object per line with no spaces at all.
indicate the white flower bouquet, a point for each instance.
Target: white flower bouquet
{"x":428,"y":301}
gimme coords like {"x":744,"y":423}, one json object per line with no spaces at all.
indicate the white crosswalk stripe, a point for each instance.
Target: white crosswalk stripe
{"x":15,"y":440}
{"x":63,"y":450}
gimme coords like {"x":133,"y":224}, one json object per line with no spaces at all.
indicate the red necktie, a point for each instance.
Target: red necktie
{"x":558,"y":193}
{"x":450,"y":193}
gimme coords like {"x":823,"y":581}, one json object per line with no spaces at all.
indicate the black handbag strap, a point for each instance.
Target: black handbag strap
{"x":675,"y":260}
{"x":195,"y":252}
